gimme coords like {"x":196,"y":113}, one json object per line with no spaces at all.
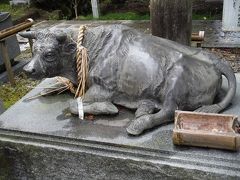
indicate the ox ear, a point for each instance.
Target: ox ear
{"x":70,"y":48}
{"x":28,"y":34}
{"x":61,"y":37}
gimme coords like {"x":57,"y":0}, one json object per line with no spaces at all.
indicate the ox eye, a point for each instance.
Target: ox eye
{"x":50,"y":56}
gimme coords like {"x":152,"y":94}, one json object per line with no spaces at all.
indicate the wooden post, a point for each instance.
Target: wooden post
{"x":95,"y":8}
{"x":30,"y":41}
{"x":4,"y":51}
{"x":172,"y":19}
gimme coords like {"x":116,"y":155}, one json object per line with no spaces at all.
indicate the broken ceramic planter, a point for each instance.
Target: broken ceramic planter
{"x":206,"y":130}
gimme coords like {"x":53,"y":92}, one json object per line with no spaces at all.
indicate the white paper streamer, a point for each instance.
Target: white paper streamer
{"x":80,"y":108}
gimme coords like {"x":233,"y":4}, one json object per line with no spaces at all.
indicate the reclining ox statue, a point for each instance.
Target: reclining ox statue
{"x":152,"y":75}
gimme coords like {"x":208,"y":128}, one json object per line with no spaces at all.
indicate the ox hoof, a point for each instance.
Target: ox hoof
{"x":138,"y":125}
{"x":215,"y":108}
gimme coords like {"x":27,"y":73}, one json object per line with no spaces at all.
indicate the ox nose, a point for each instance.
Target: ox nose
{"x":29,"y":69}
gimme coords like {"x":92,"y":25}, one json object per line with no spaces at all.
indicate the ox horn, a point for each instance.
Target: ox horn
{"x":61,"y":37}
{"x":28,"y":34}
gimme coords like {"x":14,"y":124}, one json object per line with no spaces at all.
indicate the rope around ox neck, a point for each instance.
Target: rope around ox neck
{"x":82,"y":64}
{"x":82,"y":67}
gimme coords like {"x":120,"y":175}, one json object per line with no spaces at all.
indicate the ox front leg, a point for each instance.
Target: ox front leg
{"x":165,"y":115}
{"x":53,"y":85}
{"x":95,"y":108}
{"x":147,"y":107}
{"x":96,"y":101}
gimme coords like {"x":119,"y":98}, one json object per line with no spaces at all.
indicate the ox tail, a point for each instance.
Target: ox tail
{"x":227,"y":71}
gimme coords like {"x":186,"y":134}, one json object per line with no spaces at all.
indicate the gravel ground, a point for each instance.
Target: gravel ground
{"x":232,"y":55}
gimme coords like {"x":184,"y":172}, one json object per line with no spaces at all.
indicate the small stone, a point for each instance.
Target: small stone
{"x":222,"y":34}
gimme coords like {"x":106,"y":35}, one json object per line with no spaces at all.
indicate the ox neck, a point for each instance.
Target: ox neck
{"x":70,"y":70}
{"x":72,"y":76}
{"x":95,"y":40}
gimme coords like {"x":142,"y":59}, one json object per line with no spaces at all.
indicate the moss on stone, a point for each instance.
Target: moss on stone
{"x":11,"y":94}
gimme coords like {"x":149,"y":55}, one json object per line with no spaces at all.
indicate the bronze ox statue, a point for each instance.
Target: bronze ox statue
{"x":152,"y":75}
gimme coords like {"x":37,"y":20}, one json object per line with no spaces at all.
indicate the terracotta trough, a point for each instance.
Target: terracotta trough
{"x":206,"y":130}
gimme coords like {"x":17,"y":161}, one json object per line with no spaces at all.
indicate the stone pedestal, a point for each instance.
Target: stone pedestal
{"x":39,"y":139}
{"x":12,"y":43}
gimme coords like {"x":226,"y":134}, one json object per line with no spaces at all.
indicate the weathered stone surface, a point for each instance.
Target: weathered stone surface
{"x":47,"y":142}
{"x":83,"y":160}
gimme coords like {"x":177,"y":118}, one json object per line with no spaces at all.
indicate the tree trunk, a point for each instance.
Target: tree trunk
{"x":172,"y":19}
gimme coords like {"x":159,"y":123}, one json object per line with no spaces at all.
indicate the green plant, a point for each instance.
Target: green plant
{"x":11,"y":94}
{"x":15,"y":11}
{"x":55,"y":15}
{"x":206,"y":16}
{"x":118,"y":16}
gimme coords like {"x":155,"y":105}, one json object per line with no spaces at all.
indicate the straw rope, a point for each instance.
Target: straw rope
{"x":82,"y":67}
{"x":82,"y":64}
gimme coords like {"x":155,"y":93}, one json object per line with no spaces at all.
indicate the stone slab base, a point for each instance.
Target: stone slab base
{"x":33,"y":156}
{"x":39,"y":139}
